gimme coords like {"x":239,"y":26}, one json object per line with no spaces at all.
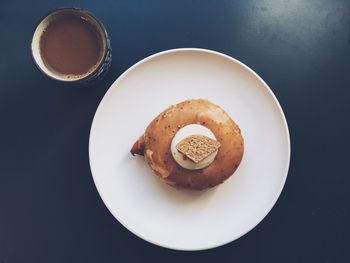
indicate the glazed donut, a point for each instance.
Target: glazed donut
{"x":155,"y":144}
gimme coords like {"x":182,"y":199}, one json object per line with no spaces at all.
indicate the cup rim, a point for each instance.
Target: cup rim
{"x":101,"y":62}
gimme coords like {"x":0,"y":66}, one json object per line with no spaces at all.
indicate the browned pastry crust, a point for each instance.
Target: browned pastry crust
{"x":155,"y":143}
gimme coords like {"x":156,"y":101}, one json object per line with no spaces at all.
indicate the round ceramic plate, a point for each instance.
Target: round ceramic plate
{"x":183,"y":219}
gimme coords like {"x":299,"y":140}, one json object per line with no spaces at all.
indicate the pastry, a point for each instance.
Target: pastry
{"x":193,"y":144}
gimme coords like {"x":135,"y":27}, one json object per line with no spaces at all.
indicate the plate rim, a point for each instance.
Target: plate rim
{"x":285,"y":172}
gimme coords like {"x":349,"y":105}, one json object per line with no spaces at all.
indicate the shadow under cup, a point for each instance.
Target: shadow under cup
{"x":71,"y":45}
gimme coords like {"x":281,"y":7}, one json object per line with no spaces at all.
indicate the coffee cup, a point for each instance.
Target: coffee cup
{"x":71,"y":45}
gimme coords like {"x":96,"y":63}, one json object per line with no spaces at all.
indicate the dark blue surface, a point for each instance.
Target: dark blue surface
{"x":50,"y":210}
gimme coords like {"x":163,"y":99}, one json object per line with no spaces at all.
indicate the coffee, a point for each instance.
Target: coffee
{"x":71,"y":46}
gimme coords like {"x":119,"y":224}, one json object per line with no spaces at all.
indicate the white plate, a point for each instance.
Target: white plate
{"x":187,"y":220}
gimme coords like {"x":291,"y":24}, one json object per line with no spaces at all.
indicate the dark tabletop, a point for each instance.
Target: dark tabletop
{"x":50,"y":210}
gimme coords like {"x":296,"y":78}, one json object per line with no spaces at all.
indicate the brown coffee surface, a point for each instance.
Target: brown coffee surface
{"x":71,"y":46}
